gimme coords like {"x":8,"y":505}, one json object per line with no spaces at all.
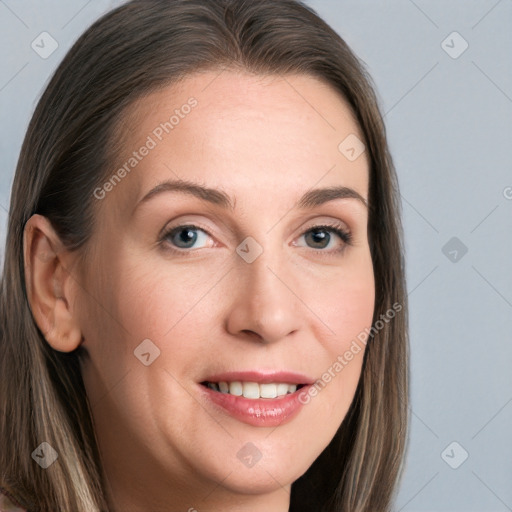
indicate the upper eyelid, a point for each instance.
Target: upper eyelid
{"x":349,"y":215}
{"x":200,"y":225}
{"x":315,"y":219}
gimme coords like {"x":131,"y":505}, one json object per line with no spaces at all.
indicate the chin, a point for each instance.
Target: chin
{"x":266,"y":475}
{"x":259,"y":480}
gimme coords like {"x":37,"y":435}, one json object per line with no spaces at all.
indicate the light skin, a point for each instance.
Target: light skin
{"x":264,"y":141}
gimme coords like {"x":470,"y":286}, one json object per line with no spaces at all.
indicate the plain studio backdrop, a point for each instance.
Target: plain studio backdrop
{"x":443,"y":74}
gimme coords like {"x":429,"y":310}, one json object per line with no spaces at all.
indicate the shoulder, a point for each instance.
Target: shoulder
{"x":8,"y":504}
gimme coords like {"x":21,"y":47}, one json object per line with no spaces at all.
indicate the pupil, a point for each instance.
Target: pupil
{"x":319,"y":236}
{"x":187,"y":235}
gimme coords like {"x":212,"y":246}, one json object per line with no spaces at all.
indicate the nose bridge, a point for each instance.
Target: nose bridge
{"x":265,"y":303}
{"x":260,"y":278}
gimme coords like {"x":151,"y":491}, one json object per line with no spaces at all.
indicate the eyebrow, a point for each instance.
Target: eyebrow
{"x":310,"y":199}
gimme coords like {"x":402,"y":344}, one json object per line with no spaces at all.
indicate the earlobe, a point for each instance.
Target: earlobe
{"x":45,"y":280}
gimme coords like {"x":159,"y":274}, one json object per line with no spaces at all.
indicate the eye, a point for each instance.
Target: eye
{"x":189,"y":236}
{"x":320,"y":237}
{"x":186,"y":236}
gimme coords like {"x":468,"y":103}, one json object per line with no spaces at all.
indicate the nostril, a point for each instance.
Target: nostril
{"x":250,"y":333}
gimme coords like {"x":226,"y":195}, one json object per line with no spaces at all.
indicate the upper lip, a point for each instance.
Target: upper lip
{"x":261,"y":377}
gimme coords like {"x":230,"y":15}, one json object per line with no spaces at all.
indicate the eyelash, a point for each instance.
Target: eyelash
{"x":335,"y":228}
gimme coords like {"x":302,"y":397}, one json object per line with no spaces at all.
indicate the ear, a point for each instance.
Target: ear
{"x":49,"y":284}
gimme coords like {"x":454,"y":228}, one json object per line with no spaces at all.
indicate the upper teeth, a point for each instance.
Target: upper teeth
{"x":253,"y":389}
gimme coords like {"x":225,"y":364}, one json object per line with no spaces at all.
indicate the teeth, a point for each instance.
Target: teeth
{"x":235,"y":388}
{"x":282,"y":389}
{"x":268,"y":390}
{"x":253,"y":389}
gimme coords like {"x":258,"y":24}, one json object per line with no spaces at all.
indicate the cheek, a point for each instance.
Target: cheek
{"x":131,"y":299}
{"x":349,"y":312}
{"x":156,"y":300}
{"x":347,"y":301}
{"x":152,"y":297}
{"x":347,"y":308}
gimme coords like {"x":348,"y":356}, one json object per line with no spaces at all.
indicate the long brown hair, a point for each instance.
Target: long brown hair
{"x":70,"y":148}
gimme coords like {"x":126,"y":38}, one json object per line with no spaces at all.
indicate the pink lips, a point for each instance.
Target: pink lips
{"x":260,"y":412}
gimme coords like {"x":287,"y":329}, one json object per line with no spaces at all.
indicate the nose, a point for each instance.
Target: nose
{"x":265,"y":305}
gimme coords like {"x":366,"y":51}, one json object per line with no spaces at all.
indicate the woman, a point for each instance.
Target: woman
{"x":203,"y":302}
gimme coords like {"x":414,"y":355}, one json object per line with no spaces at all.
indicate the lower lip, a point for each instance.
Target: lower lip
{"x":259,"y":412}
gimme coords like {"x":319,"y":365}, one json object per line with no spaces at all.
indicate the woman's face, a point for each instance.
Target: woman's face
{"x":251,"y":299}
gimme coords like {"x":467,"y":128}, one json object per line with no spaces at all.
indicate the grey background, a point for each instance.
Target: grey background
{"x":449,"y":123}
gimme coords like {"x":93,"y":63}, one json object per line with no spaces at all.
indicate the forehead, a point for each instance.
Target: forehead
{"x":231,"y":130}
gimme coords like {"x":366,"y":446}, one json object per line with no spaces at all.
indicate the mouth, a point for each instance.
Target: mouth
{"x":253,"y":390}
{"x":257,"y":398}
